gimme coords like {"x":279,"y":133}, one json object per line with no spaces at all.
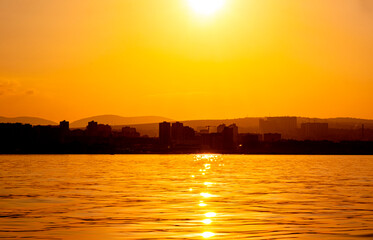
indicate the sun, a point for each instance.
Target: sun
{"x":206,"y":7}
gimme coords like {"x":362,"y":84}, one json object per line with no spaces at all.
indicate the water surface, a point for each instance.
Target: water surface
{"x":186,"y":197}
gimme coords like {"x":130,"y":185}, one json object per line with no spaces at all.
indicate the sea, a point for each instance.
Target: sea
{"x":202,"y":196}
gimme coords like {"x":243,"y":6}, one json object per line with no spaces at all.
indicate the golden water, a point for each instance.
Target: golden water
{"x":186,"y":197}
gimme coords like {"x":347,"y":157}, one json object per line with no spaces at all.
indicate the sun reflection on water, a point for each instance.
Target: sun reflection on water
{"x":204,"y":167}
{"x":210,"y":214}
{"x":207,"y":234}
{"x":205,"y":195}
{"x":207,"y":221}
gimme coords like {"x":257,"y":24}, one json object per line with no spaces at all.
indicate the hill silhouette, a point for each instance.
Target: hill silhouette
{"x":27,"y":120}
{"x":114,"y":120}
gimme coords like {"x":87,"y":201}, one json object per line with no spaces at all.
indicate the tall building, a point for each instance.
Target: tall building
{"x":92,"y":128}
{"x":230,"y":135}
{"x":64,"y":126}
{"x":188,"y":133}
{"x":165,"y":133}
{"x":103,"y":130}
{"x":314,"y":131}
{"x":287,"y":126}
{"x":177,"y":132}
{"x":228,"y":141}
{"x":98,"y":130}
{"x":235,"y":132}
{"x":130,"y":132}
{"x":220,"y":128}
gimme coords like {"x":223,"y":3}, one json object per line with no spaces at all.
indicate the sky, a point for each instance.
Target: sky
{"x":78,"y":58}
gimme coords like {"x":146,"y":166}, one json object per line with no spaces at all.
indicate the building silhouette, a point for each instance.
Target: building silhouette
{"x":235,"y":132}
{"x":130,"y":132}
{"x":177,"y":133}
{"x":221,"y":128}
{"x":250,"y":140}
{"x":314,"y":131}
{"x":64,"y":126}
{"x":92,"y":128}
{"x":165,"y":134}
{"x":286,"y":126}
{"x":229,"y":136}
{"x":271,"y":137}
{"x":98,"y":130}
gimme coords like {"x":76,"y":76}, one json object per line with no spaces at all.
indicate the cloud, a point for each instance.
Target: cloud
{"x":30,"y":92}
{"x":8,"y":87}
{"x":13,"y":88}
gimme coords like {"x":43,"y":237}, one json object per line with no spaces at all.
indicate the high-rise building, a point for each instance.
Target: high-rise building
{"x":177,"y":132}
{"x":314,"y":131}
{"x":103,"y":130}
{"x":165,"y":133}
{"x":287,"y":126}
{"x":235,"y":132}
{"x":92,"y":128}
{"x":220,"y":128}
{"x":228,"y":142}
{"x":64,"y":126}
{"x":130,"y":132}
{"x":188,"y":133}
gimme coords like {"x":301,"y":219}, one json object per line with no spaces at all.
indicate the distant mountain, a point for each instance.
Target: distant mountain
{"x":29,"y":120}
{"x":118,"y":120}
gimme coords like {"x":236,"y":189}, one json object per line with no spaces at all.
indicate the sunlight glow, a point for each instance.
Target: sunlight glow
{"x":206,"y":7}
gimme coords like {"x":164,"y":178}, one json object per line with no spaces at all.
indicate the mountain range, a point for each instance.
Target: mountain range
{"x":27,"y":120}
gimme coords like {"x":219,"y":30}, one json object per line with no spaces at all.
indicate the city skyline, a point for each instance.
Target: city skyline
{"x":276,"y":135}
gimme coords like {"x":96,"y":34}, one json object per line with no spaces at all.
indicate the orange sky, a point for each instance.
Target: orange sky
{"x":72,"y":59}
